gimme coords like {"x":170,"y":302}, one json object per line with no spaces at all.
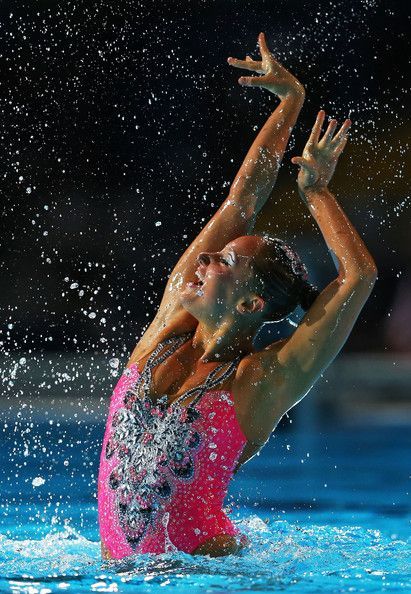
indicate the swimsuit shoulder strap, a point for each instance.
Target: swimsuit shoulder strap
{"x":212,"y":380}
{"x":174,"y":342}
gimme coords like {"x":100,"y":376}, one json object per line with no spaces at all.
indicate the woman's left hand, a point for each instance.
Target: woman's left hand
{"x":275,"y":77}
{"x":319,"y":158}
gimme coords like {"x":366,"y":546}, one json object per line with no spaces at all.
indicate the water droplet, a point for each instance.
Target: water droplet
{"x":38,"y":481}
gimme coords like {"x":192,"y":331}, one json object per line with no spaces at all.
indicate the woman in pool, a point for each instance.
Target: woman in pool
{"x":196,"y":400}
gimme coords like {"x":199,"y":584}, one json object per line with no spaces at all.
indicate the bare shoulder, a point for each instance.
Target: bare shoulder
{"x":260,"y":374}
{"x":259,"y":389}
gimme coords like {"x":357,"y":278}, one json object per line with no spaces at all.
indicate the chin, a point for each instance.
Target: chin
{"x":186,"y":296}
{"x":190,"y":299}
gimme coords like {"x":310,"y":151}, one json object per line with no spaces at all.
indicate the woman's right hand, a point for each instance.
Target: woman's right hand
{"x":275,"y":79}
{"x":319,"y":158}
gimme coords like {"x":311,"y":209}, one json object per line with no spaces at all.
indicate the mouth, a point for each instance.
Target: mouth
{"x":196,"y":285}
{"x":200,"y":280}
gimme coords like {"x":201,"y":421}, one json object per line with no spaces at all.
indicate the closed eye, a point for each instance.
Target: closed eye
{"x":225,"y":262}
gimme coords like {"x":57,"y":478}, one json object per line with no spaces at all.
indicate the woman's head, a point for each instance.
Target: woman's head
{"x":255,"y":278}
{"x":281,"y":279}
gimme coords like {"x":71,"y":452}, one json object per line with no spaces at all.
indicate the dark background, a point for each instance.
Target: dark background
{"x":122,"y":127}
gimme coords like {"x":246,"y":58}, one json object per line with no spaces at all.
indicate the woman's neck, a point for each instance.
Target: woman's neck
{"x":223,"y":342}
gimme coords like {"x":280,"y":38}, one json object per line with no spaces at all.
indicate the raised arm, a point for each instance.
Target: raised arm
{"x":258,"y":173}
{"x":256,"y":177}
{"x":327,"y":324}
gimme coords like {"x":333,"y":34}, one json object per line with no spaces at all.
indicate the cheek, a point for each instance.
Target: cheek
{"x":211,"y":290}
{"x":215,"y":273}
{"x":222,"y":286}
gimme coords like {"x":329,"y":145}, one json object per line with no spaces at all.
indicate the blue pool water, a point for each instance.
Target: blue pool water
{"x":326,"y":511}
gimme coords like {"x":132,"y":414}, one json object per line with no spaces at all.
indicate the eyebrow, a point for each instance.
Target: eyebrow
{"x":230,"y":252}
{"x":233,"y":255}
{"x":238,"y":256}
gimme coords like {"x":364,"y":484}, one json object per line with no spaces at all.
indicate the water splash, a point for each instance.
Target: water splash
{"x":282,"y":554}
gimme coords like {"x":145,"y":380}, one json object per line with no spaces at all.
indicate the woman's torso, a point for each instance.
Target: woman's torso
{"x":167,"y":459}
{"x":182,"y":371}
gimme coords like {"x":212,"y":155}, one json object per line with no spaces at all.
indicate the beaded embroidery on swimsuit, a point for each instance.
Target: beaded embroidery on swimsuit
{"x":154,"y":442}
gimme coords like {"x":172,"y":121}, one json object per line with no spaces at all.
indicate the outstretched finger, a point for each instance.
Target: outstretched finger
{"x":342,"y":132}
{"x":252,"y":81}
{"x":315,"y":132}
{"x":329,"y":132}
{"x":265,"y":52}
{"x":300,"y":161}
{"x":247,"y":64}
{"x":340,"y":146}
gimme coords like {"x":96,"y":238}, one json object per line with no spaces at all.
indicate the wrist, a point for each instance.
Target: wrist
{"x":311,"y":194}
{"x":296,"y":93}
{"x":313,"y":190}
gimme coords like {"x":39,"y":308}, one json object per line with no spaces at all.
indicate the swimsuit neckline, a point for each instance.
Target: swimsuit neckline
{"x":212,"y":380}
{"x":205,"y":388}
{"x":176,"y":402}
{"x":136,"y":367}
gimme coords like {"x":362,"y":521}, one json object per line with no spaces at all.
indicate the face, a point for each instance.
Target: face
{"x":223,"y":280}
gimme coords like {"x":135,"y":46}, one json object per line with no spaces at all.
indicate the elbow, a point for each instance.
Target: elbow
{"x":374,"y":273}
{"x":366,"y":276}
{"x":371,"y":272}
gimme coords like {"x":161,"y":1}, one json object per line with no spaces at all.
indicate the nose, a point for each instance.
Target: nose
{"x":204,"y":258}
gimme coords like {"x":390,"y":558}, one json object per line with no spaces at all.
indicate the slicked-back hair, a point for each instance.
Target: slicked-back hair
{"x":282,"y":278}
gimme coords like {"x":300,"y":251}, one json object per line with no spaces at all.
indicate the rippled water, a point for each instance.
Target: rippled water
{"x":302,"y":557}
{"x":324,"y":512}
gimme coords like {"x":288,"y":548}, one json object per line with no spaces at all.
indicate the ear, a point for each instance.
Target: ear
{"x":252,"y":305}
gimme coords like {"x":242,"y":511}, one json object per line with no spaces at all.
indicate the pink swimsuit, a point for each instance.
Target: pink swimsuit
{"x":165,"y":469}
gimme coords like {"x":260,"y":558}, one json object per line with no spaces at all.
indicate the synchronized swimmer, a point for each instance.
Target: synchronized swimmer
{"x":196,"y":400}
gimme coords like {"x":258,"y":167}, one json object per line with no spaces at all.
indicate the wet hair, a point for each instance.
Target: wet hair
{"x":282,"y":279}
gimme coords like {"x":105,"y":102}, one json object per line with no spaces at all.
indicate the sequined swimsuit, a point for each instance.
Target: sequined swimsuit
{"x":165,"y":469}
